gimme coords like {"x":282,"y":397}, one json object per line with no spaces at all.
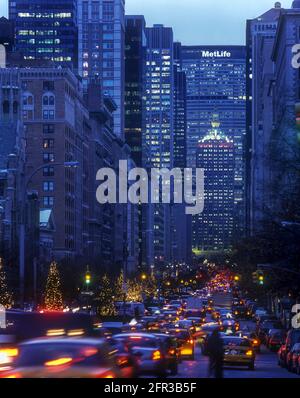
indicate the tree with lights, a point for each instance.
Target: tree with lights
{"x":105,"y":302}
{"x":150,"y":286}
{"x":53,"y":294}
{"x":119,"y":287}
{"x":5,"y":295}
{"x":134,"y":291}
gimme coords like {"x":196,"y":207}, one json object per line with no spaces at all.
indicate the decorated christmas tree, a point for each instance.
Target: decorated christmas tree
{"x":119,"y":287}
{"x":134,"y":292}
{"x":53,"y":294}
{"x":150,"y":286}
{"x":105,"y":300}
{"x":5,"y":295}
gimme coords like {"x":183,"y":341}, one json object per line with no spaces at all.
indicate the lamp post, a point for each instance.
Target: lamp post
{"x":22,"y":224}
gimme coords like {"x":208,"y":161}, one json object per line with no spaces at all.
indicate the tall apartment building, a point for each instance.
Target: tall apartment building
{"x":56,"y":131}
{"x":101,"y":32}
{"x":46,"y":30}
{"x":12,"y":156}
{"x":260,"y":37}
{"x":215,"y":226}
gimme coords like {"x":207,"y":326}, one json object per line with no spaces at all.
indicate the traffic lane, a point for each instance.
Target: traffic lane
{"x":265,"y":367}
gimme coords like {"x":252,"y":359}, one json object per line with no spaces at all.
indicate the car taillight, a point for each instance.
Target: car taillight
{"x":108,"y":376}
{"x":13,"y":376}
{"x":122,"y":361}
{"x":156,"y":355}
{"x":7,"y":355}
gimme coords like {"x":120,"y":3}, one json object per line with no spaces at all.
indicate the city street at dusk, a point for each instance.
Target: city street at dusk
{"x":150,"y":193}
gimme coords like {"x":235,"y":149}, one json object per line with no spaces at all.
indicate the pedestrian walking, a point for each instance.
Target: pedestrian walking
{"x":215,"y":351}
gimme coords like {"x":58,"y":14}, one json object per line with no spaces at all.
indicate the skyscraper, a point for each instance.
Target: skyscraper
{"x":46,"y":30}
{"x":216,"y":83}
{"x":260,"y":37}
{"x":213,"y":229}
{"x":101,"y":32}
{"x":135,"y":51}
{"x":285,"y":159}
{"x":159,"y":124}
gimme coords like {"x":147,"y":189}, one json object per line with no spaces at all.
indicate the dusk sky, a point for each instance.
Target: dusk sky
{"x":198,"y":21}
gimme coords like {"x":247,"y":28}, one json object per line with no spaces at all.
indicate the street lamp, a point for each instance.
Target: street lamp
{"x":22,"y":222}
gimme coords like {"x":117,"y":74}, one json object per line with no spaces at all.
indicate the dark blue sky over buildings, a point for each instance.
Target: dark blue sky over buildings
{"x":198,"y":21}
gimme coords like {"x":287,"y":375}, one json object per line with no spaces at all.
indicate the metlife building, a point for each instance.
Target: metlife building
{"x":216,"y":84}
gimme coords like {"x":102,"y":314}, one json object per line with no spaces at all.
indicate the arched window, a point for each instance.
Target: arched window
{"x":48,"y":100}
{"x":51,"y":100}
{"x":27,"y":99}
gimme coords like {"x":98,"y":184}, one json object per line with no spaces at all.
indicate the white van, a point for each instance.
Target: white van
{"x":130,"y":308}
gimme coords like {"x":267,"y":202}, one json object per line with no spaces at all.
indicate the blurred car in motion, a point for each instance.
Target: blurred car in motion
{"x":171,"y":351}
{"x":238,"y":352}
{"x":125,"y":359}
{"x":149,"y":351}
{"x":64,"y":358}
{"x":185,"y":341}
{"x":22,"y":326}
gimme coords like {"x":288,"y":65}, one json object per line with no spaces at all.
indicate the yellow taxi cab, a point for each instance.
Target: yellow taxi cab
{"x":238,"y":351}
{"x":185,"y":341}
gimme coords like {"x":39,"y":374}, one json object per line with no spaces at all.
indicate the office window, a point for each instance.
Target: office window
{"x":48,"y":171}
{"x":48,"y":143}
{"x":48,"y":157}
{"x":48,"y":201}
{"x":48,"y":128}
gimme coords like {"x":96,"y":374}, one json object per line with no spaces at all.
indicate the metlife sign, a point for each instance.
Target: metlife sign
{"x":215,"y":54}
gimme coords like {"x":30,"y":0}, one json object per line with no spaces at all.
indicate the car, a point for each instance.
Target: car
{"x":22,"y":326}
{"x":185,"y":341}
{"x":265,"y":327}
{"x":229,"y":326}
{"x":275,"y":338}
{"x":125,"y":358}
{"x":238,"y":351}
{"x":150,"y":323}
{"x":148,"y":350}
{"x":186,"y":324}
{"x":64,"y":358}
{"x":241,"y":312}
{"x":292,"y":358}
{"x":115,"y":327}
{"x":292,"y":337}
{"x":255,"y":341}
{"x":171,"y":351}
